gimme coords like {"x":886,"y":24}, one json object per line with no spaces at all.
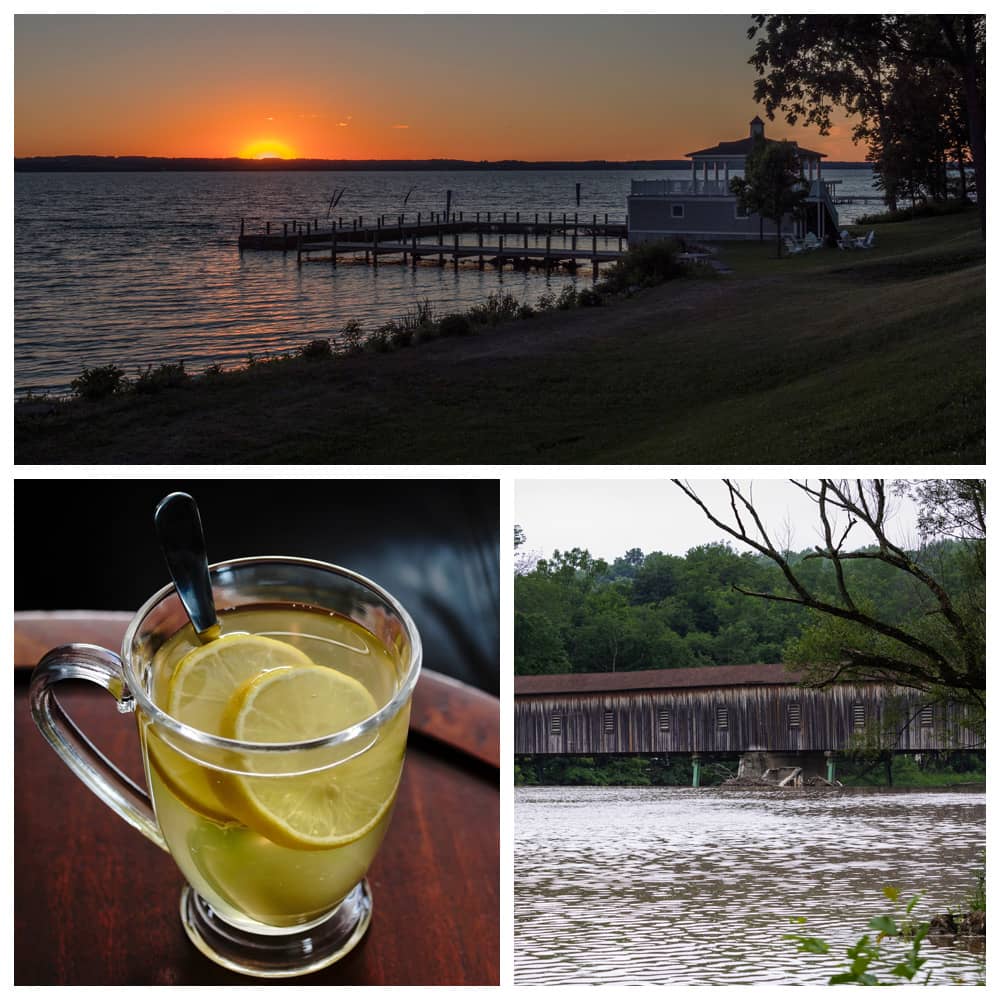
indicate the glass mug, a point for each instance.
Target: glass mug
{"x":275,"y":822}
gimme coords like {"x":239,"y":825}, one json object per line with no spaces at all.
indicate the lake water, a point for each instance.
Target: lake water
{"x":696,"y":886}
{"x":143,"y":268}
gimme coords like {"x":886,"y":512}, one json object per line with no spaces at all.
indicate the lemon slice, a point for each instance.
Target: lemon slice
{"x":204,"y":680}
{"x":199,"y":690}
{"x":325,"y":809}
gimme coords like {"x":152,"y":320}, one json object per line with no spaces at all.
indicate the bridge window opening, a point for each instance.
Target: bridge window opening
{"x":858,"y":716}
{"x":677,"y":211}
{"x":927,"y":716}
{"x":721,"y":717}
{"x":794,"y":715}
{"x":555,"y":725}
{"x":609,"y":722}
{"x":664,"y":715}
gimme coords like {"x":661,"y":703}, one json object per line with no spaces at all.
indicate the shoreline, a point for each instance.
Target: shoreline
{"x":866,"y":356}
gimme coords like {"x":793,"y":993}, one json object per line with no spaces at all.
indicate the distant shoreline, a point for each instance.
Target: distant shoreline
{"x":138,"y":164}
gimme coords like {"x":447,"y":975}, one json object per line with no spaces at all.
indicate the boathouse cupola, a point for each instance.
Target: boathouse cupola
{"x":756,"y":127}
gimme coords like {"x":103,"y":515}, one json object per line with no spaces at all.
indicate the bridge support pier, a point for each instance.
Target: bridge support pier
{"x":695,"y":771}
{"x":756,"y":763}
{"x":831,"y":766}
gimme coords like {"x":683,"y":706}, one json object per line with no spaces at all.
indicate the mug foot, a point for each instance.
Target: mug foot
{"x":271,"y":955}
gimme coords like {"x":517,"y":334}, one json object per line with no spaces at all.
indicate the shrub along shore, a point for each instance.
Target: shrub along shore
{"x":853,"y":356}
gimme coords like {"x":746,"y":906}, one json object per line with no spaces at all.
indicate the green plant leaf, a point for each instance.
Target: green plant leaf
{"x":842,"y":977}
{"x":815,"y":946}
{"x":890,"y":892}
{"x":885,"y":924}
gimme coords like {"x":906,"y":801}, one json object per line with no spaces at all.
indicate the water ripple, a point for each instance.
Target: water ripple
{"x":672,"y":886}
{"x":138,"y":269}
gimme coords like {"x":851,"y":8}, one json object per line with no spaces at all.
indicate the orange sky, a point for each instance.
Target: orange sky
{"x":566,"y":87}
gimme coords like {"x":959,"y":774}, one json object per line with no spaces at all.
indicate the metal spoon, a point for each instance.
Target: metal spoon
{"x":178,"y":527}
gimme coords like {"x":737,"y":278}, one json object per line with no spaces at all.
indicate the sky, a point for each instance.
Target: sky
{"x":479,"y":87}
{"x":608,"y":517}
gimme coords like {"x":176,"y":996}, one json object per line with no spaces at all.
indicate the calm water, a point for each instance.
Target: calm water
{"x":695,"y":887}
{"x":141,"y":269}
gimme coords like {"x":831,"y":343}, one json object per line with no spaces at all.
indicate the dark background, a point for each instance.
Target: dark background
{"x":433,"y":544}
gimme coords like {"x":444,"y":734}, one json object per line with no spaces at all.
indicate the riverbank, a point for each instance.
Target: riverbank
{"x":835,"y":356}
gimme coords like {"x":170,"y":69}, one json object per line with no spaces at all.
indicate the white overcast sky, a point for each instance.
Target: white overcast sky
{"x":610,"y":516}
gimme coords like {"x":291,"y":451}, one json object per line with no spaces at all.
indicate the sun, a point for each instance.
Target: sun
{"x":267,"y":149}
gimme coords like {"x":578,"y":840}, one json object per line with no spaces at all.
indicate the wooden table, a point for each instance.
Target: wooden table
{"x":97,"y":904}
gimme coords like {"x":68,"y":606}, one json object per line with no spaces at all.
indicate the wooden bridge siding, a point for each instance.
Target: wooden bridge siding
{"x":758,"y":718}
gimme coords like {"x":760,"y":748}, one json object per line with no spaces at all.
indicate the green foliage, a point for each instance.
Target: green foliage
{"x":647,"y":611}
{"x":318,"y":350}
{"x":546,"y":302}
{"x":380,"y":341}
{"x":644,"y":265}
{"x":588,"y":297}
{"x":455,"y":325}
{"x":100,"y":382}
{"x":772,"y":185}
{"x":977,"y":898}
{"x":352,"y":337}
{"x":566,"y":298}
{"x":925,"y":210}
{"x":867,"y":957}
{"x":499,"y":307}
{"x":213,"y":370}
{"x":612,"y":769}
{"x":169,"y":376}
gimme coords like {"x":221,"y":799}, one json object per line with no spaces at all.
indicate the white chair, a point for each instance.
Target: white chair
{"x":866,"y":242}
{"x":792,"y":245}
{"x":811,"y":242}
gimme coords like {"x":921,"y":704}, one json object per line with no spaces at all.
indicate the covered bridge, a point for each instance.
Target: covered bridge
{"x":731,"y":710}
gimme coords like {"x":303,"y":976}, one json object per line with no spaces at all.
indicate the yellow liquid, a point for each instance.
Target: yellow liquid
{"x":238,"y":870}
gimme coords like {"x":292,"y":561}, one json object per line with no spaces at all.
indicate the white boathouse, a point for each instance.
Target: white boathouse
{"x":703,"y":207}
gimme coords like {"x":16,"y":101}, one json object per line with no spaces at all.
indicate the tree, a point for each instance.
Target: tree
{"x":937,"y":643}
{"x":809,"y":64}
{"x":524,"y":560}
{"x":772,"y":185}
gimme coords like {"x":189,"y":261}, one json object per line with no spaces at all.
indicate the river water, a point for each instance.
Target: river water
{"x":696,"y":886}
{"x":142,"y":268}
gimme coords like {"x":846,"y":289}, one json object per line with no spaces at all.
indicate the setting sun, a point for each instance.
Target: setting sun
{"x":267,"y":149}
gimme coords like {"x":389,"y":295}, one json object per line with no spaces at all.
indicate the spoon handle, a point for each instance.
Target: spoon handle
{"x":178,"y":527}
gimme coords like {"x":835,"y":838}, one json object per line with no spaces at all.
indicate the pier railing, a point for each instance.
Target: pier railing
{"x":540,"y":221}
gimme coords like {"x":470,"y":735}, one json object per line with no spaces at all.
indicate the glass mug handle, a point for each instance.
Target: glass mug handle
{"x":99,"y":666}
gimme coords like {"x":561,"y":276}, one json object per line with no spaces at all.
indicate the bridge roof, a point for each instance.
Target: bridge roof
{"x":745,"y":675}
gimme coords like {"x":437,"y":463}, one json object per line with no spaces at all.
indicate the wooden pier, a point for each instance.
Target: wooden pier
{"x":412,"y":240}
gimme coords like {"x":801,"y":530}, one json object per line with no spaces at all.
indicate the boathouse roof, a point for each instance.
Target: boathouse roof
{"x":742,"y":675}
{"x":743,"y":147}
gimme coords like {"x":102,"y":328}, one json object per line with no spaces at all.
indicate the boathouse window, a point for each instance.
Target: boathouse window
{"x":741,"y":212}
{"x":927,"y":716}
{"x":794,"y":715}
{"x":721,"y":717}
{"x":555,"y":725}
{"x":858,"y":716}
{"x":609,"y":722}
{"x":677,"y":211}
{"x":664,"y":715}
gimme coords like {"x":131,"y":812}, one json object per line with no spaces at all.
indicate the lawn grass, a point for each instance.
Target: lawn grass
{"x":833,"y":356}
